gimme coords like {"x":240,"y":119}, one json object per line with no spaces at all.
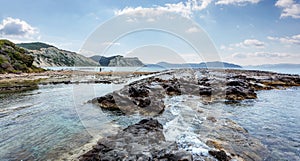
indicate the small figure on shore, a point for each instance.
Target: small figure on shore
{"x":100,"y":69}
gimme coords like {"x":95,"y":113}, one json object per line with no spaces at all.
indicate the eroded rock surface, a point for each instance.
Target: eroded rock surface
{"x":146,"y":96}
{"x":142,"y":141}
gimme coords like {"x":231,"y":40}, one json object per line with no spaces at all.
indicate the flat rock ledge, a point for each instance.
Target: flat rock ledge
{"x":144,"y":141}
{"x":146,"y":97}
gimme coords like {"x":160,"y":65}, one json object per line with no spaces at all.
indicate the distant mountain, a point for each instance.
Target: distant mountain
{"x":47,"y":55}
{"x":270,"y":66}
{"x":118,"y":61}
{"x":153,"y":66}
{"x":96,"y":58}
{"x":14,"y":59}
{"x":215,"y":64}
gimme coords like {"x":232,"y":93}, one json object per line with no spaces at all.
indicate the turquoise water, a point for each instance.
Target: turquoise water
{"x":54,"y":119}
{"x":44,"y":123}
{"x":273,"y":118}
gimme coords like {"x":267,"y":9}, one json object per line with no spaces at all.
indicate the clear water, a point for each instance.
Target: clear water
{"x":45,"y":123}
{"x":52,"y":120}
{"x":273,"y":118}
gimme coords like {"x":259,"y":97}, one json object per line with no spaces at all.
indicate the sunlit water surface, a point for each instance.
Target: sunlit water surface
{"x":54,"y":119}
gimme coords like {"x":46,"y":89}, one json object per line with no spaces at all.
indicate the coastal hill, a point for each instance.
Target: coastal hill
{"x":118,"y":60}
{"x":215,"y":64}
{"x":14,"y":59}
{"x":47,"y":55}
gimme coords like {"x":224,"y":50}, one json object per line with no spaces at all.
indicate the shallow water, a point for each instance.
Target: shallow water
{"x":52,"y":120}
{"x":35,"y":124}
{"x":273,"y":118}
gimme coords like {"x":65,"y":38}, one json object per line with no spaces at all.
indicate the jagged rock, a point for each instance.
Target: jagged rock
{"x":138,"y":92}
{"x":205,"y":91}
{"x":107,"y":102}
{"x":239,"y":93}
{"x":142,"y":141}
{"x":220,"y":155}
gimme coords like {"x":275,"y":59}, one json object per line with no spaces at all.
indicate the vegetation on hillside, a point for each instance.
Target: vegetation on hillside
{"x":14,"y":59}
{"x":34,"y":45}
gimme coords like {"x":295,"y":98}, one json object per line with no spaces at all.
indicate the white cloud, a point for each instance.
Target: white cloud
{"x":192,"y":30}
{"x":183,"y":8}
{"x":17,"y":29}
{"x":253,"y":42}
{"x":110,"y":43}
{"x":287,"y":40}
{"x":245,"y":44}
{"x":236,"y":2}
{"x":289,"y":8}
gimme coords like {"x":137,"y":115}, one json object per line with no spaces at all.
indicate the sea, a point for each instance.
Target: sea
{"x":52,"y":120}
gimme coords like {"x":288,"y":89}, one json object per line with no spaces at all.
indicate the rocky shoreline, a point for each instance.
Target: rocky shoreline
{"x":10,"y":83}
{"x":146,"y":96}
{"x":216,"y":138}
{"x":175,"y":122}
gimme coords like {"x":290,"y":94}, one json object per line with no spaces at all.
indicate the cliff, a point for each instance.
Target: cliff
{"x":47,"y":55}
{"x":118,"y":61}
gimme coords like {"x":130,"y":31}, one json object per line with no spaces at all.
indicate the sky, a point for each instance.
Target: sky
{"x":245,"y":32}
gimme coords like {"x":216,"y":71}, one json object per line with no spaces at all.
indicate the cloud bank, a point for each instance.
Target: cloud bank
{"x":17,"y":29}
{"x":236,"y":2}
{"x":185,"y":9}
{"x":289,"y":8}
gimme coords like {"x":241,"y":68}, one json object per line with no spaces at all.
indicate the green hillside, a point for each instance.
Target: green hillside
{"x":14,"y":59}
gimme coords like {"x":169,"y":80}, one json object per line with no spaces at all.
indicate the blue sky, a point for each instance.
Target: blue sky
{"x":243,"y":31}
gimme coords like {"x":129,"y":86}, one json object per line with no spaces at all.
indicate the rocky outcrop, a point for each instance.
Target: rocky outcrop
{"x":146,"y":97}
{"x":146,"y":140}
{"x":47,"y":55}
{"x":142,"y":141}
{"x":196,"y":133}
{"x":15,"y":60}
{"x":133,"y":100}
{"x":118,"y":61}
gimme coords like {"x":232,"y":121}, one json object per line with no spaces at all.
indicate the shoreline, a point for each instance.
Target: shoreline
{"x":238,"y":85}
{"x":10,"y":83}
{"x":262,"y":81}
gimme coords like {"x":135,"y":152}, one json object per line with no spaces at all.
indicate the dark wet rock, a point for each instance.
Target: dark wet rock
{"x":239,"y":93}
{"x":130,"y":105}
{"x":147,"y":96}
{"x":240,"y":83}
{"x":138,"y":92}
{"x":172,"y":90}
{"x":107,"y":102}
{"x":220,"y":155}
{"x":205,"y":91}
{"x":142,"y":102}
{"x":142,"y":141}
